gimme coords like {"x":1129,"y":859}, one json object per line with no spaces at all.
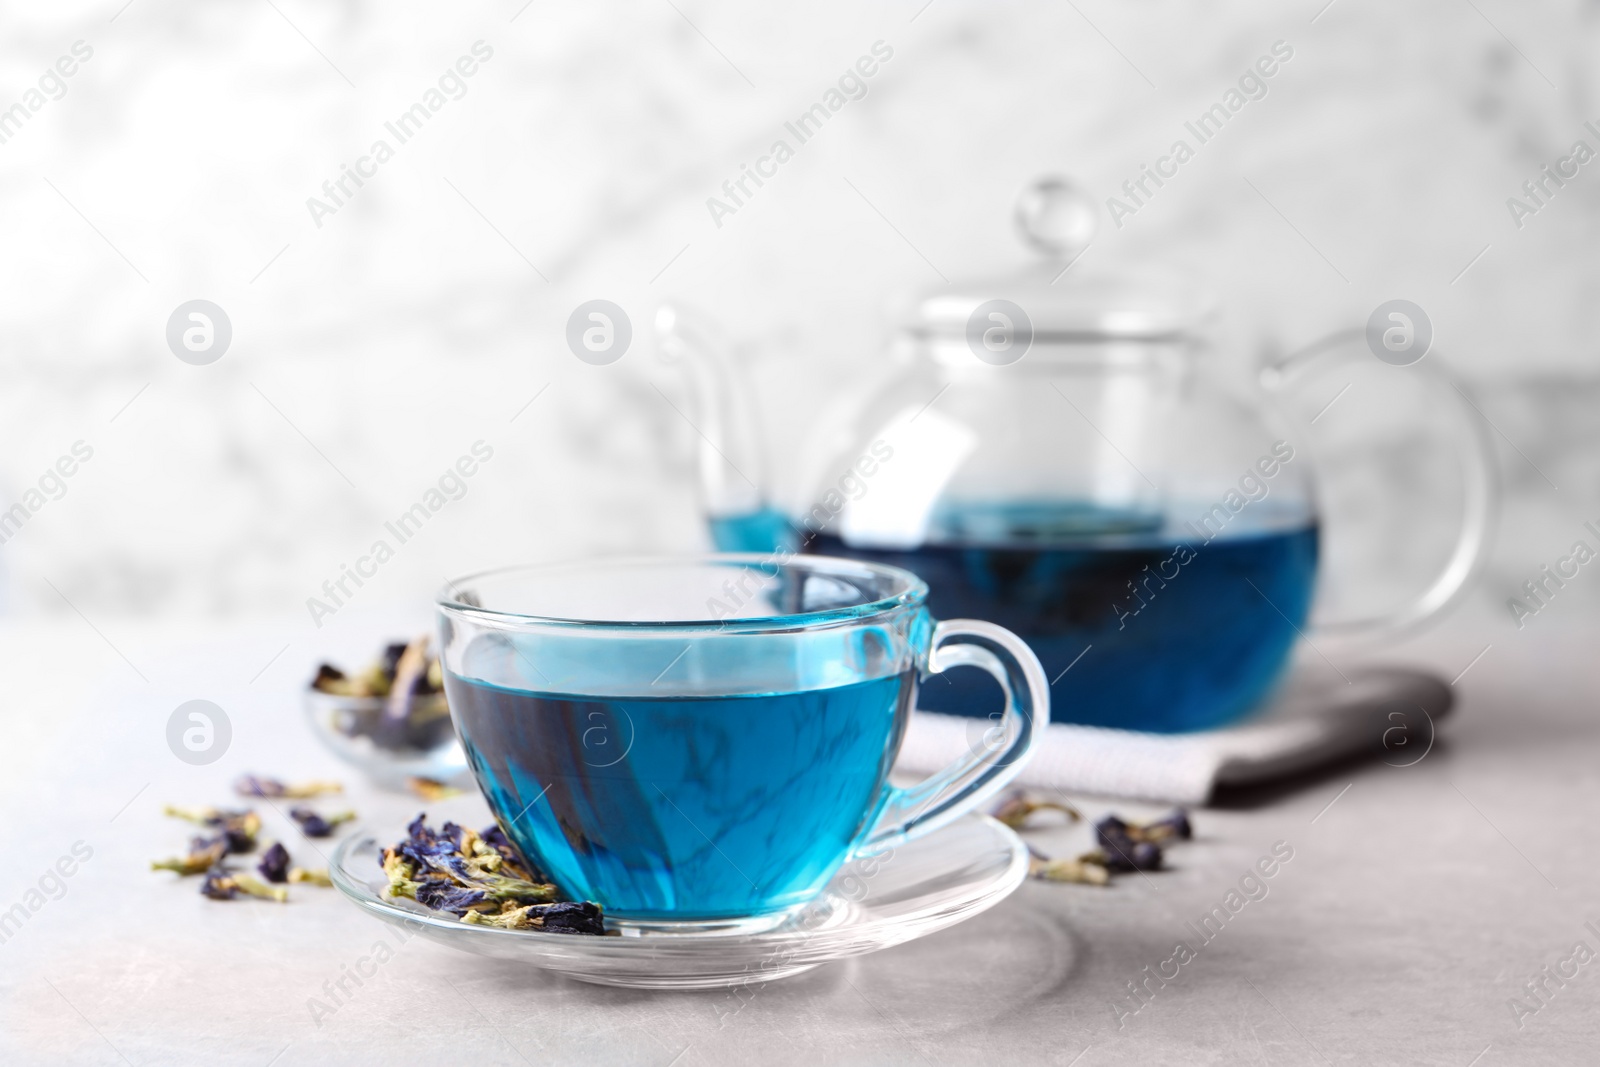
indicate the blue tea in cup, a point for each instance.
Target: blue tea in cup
{"x":705,"y":741}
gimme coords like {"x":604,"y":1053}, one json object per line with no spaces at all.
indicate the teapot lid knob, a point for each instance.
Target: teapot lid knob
{"x":1055,"y":217}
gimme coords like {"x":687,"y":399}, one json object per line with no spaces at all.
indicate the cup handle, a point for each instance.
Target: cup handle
{"x":956,"y":790}
{"x":1475,"y":449}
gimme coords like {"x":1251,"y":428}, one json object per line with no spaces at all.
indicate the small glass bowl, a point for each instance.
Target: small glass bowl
{"x":353,"y":729}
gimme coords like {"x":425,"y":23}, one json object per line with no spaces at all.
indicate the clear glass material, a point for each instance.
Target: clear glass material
{"x":344,"y":725}
{"x":1154,"y":536}
{"x":1153,"y":539}
{"x":1052,"y":455}
{"x":704,"y":741}
{"x":882,"y":896}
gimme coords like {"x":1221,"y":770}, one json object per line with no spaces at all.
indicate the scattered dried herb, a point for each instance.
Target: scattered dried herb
{"x":224,"y":884}
{"x":239,"y":828}
{"x":314,"y":825}
{"x":204,"y":853}
{"x":236,"y":832}
{"x":1080,"y":871}
{"x":482,"y":879}
{"x":274,"y":865}
{"x":1123,"y":846}
{"x":563,"y":917}
{"x":1015,"y":808}
{"x":1127,"y":846}
{"x":251,"y":786}
{"x":430,"y":791}
{"x":409,"y":681}
{"x":1175,"y":824}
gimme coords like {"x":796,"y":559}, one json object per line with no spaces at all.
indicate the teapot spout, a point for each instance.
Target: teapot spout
{"x":724,"y":417}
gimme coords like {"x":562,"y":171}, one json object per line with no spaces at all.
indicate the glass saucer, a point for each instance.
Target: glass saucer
{"x":873,"y":902}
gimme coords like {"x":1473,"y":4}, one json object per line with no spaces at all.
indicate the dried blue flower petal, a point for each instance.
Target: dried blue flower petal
{"x":1147,"y":856}
{"x":1123,"y":848}
{"x":1016,"y":807}
{"x":567,"y":917}
{"x":314,"y":825}
{"x":224,"y":884}
{"x":238,"y":827}
{"x":408,"y":679}
{"x":571,"y":917}
{"x":391,"y":656}
{"x":430,"y":790}
{"x":328,"y":677}
{"x":446,"y":896}
{"x":219,"y":884}
{"x":398,"y":700}
{"x":274,"y":865}
{"x":1088,"y":869}
{"x":250,"y":785}
{"x":204,"y":853}
{"x":1111,"y":828}
{"x":516,"y":865}
{"x":1175,"y":824}
{"x":479,"y":878}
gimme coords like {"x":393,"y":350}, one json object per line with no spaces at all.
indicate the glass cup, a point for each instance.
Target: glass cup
{"x":701,"y":742}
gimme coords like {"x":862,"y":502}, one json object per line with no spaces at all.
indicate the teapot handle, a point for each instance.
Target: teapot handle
{"x":1475,"y":450}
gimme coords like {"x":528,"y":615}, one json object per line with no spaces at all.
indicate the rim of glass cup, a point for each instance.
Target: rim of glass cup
{"x":912,"y":591}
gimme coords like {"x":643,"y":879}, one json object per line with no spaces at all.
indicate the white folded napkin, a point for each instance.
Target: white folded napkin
{"x":1314,"y":719}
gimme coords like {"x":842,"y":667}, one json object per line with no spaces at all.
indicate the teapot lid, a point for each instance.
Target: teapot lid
{"x":1058,"y":300}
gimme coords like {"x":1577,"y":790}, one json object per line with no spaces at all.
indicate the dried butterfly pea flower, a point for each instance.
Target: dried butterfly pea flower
{"x":373,"y":681}
{"x":516,"y":865}
{"x":329,"y":679}
{"x":1173,"y":825}
{"x":430,"y":791}
{"x":1124,"y":846}
{"x":1082,"y":871}
{"x":222,"y":884}
{"x":315,"y":825}
{"x":315,"y":877}
{"x":567,"y":917}
{"x":1121,"y":851}
{"x":499,"y":888}
{"x":204,"y":853}
{"x":251,"y":786}
{"x":239,"y":827}
{"x":410,"y":676}
{"x":274,"y":865}
{"x":1135,"y":847}
{"x":399,"y":703}
{"x":1146,"y":856}
{"x":457,"y":870}
{"x":443,"y":895}
{"x":219,"y":884}
{"x":1017,"y":806}
{"x":1073,"y":871}
{"x":390,"y":660}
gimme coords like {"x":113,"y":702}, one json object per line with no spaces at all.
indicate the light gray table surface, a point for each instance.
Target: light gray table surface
{"x":1418,"y":903}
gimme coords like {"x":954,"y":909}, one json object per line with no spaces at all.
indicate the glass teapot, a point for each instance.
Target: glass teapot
{"x":1050,"y":456}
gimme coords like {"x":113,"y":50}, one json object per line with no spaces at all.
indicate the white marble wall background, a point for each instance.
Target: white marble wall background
{"x":407,"y":326}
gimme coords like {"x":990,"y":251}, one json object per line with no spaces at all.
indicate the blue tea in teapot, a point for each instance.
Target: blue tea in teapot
{"x":1173,"y":626}
{"x":1053,"y":452}
{"x":1157,"y":628}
